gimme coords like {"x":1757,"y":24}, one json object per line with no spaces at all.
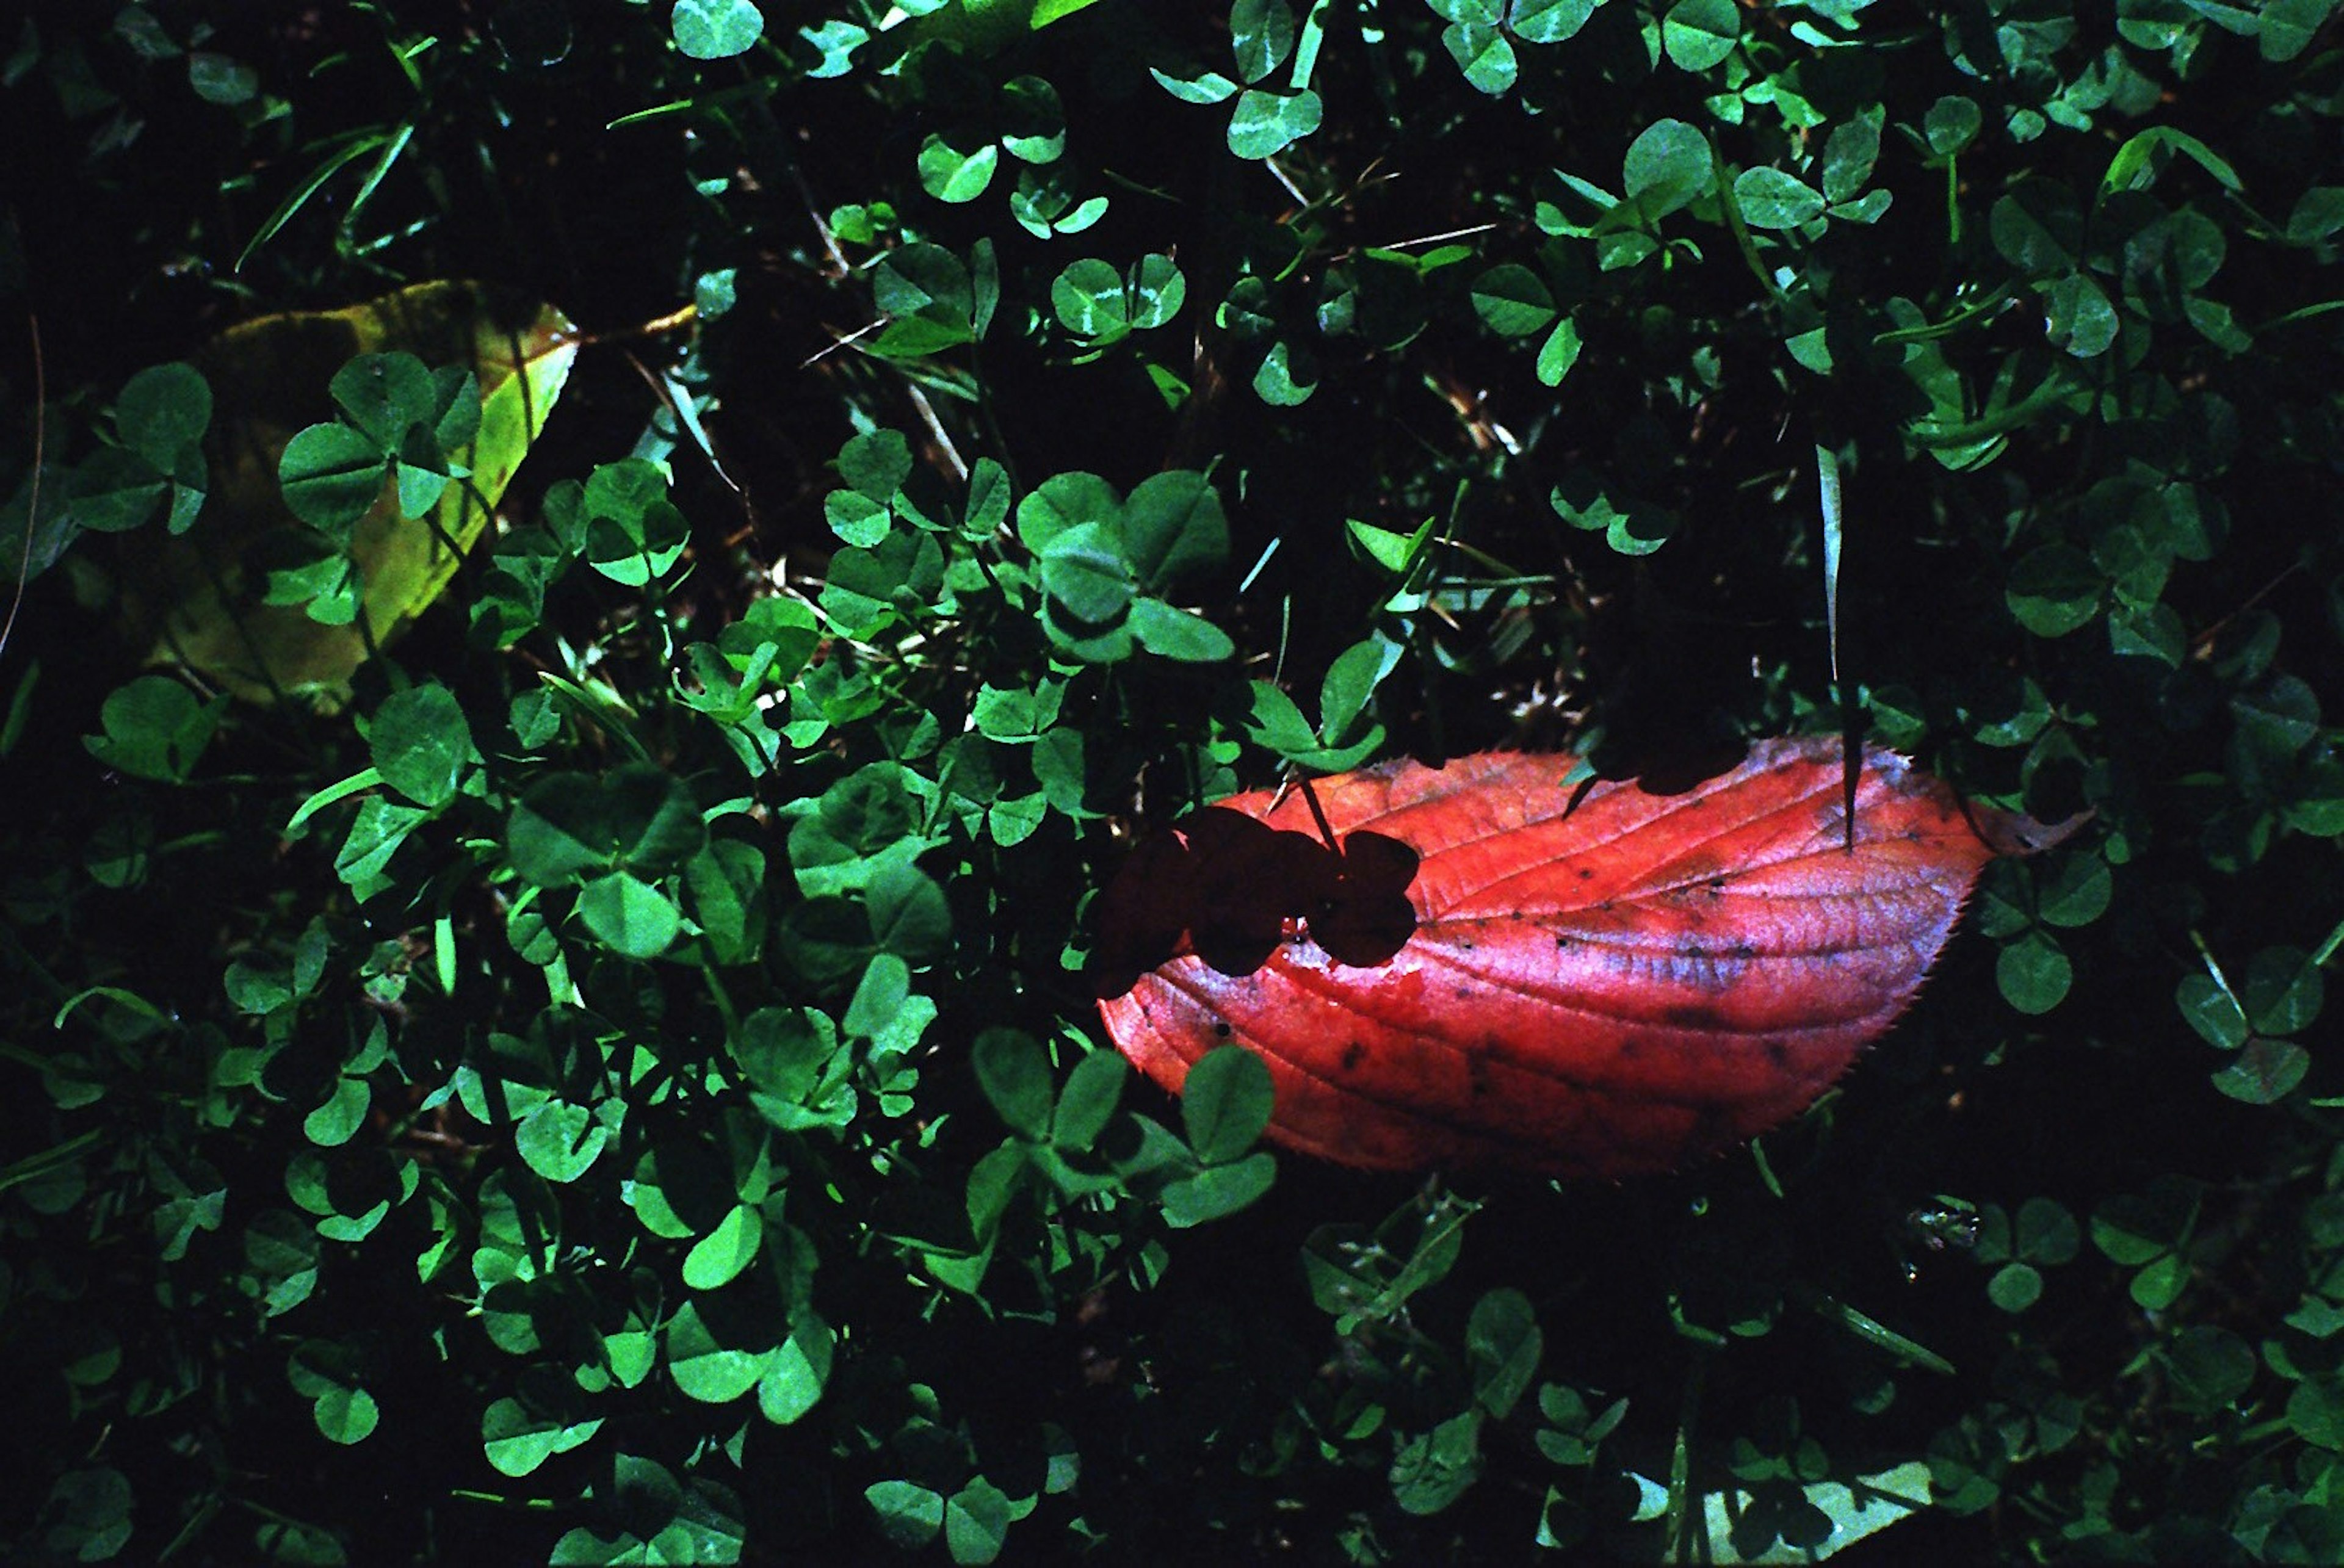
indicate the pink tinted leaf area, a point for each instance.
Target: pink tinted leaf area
{"x":1495,"y":969}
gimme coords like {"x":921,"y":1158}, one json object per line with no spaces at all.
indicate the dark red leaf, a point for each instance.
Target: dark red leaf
{"x":1496,"y":969}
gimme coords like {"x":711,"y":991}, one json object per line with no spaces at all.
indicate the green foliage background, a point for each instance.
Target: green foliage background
{"x":623,"y":1088}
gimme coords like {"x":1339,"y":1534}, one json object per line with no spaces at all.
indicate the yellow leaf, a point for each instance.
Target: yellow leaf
{"x":193,"y":599}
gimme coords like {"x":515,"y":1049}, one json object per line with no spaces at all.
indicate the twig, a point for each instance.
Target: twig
{"x":1465,"y":233}
{"x":936,"y":429}
{"x":33,"y":497}
{"x":838,"y":343}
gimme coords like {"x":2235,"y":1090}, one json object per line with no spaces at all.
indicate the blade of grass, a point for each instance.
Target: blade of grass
{"x":364,"y":142}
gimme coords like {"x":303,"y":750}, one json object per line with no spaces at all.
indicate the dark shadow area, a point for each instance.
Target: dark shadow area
{"x":1667,"y":766}
{"x":1223,"y":886}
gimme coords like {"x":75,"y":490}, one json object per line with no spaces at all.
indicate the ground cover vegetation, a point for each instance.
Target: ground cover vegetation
{"x":569,"y":1037}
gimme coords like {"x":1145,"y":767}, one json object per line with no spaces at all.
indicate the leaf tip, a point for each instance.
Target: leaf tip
{"x":2011,"y":834}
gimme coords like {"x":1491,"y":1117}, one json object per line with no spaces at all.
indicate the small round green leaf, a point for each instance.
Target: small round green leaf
{"x":909,"y":1515}
{"x":327,"y":1373}
{"x":2078,"y":317}
{"x":719,"y":1256}
{"x":2265,"y":1071}
{"x":346,"y":1416}
{"x":1015,"y":1077}
{"x":1770,"y":198}
{"x":715,"y":29}
{"x":1850,"y":154}
{"x":856,"y":518}
{"x":1287,"y":377}
{"x":1483,"y":52}
{"x":1174,"y":525}
{"x":163,"y":411}
{"x":2046,"y":1232}
{"x":2315,"y":1410}
{"x":879,"y":996}
{"x":1512,"y":300}
{"x":2284,"y":990}
{"x":1261,"y":35}
{"x":1550,"y":21}
{"x":115,"y":491}
{"x":919,"y":279}
{"x":977,"y":1517}
{"x":2159,"y":1285}
{"x":331,"y":475}
{"x":1063,"y":501}
{"x":1698,"y":34}
{"x":2134,"y":1229}
{"x":1669,"y":164}
{"x":2075,"y":890}
{"x":1083,"y":569}
{"x":2032,"y":973}
{"x":2054,"y":590}
{"x":957,"y":173}
{"x":705,"y":1370}
{"x":2210,"y":1367}
{"x":2016,"y":1287}
{"x":1225,"y":1103}
{"x":1560,"y":353}
{"x":334,"y":1123}
{"x":2211,"y":1010}
{"x":634,"y":549}
{"x":1089,"y":298}
{"x":875,"y":463}
{"x":88,"y":1515}
{"x":1502,"y":1348}
{"x":1951,"y":124}
{"x":1090,"y":1100}
{"x":386,"y":396}
{"x":421,"y":742}
{"x":1037,"y":132}
{"x":1266,"y":124}
{"x":1218,"y":1191}
{"x":560,"y":1140}
{"x":910,"y":916}
{"x":571,"y":823}
{"x":153,"y":727}
{"x":629,"y":916}
{"x":1155,"y":290}
{"x":1199,"y":86}
{"x":796,"y":1373}
{"x":515,"y":1441}
{"x":1178,"y":634}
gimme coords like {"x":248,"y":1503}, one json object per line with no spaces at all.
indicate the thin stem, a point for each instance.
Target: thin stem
{"x":33,"y":500}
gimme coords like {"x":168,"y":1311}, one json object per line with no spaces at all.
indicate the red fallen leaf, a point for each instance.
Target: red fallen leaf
{"x":1497,"y":969}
